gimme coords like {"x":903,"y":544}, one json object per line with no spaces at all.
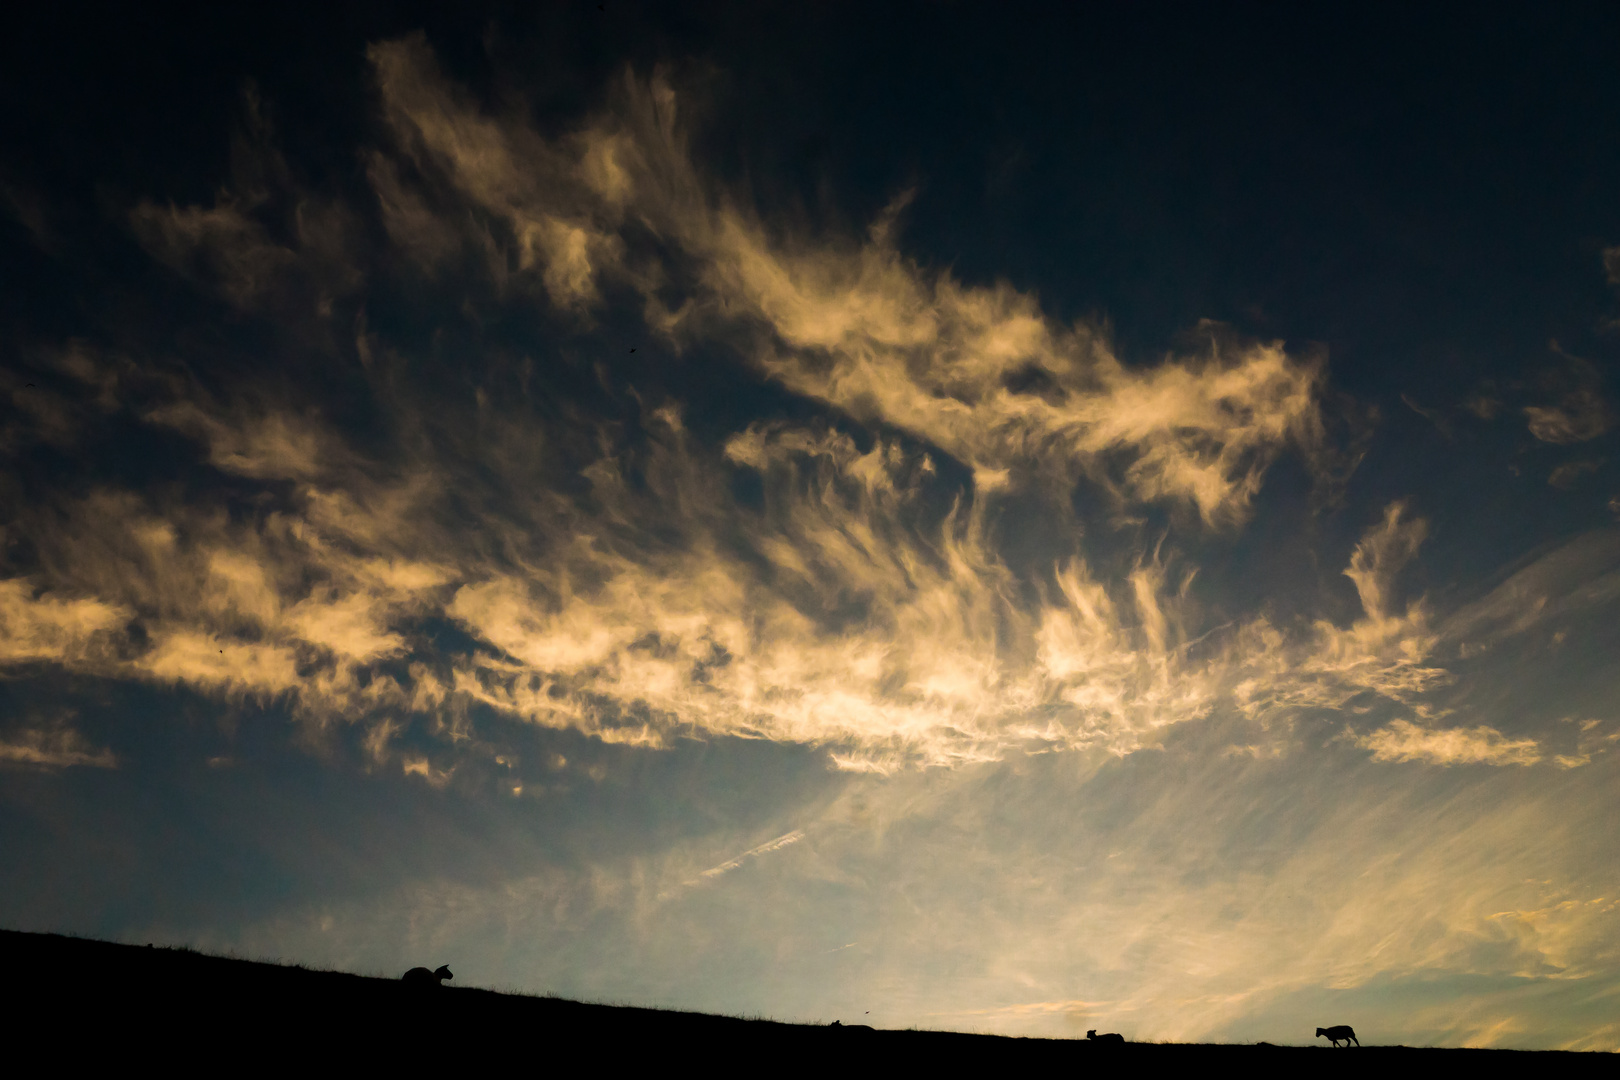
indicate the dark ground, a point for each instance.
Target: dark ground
{"x":83,"y":1002}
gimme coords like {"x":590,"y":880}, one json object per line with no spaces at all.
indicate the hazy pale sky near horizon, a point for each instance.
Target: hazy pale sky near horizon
{"x":941,"y":517}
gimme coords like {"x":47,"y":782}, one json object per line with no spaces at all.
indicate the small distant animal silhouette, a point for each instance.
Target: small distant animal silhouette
{"x":424,"y":977}
{"x":1106,"y":1037}
{"x":1341,"y":1033}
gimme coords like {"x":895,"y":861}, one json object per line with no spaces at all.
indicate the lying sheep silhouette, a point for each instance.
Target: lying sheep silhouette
{"x":424,"y":977}
{"x":1107,"y":1037}
{"x":1342,"y":1032}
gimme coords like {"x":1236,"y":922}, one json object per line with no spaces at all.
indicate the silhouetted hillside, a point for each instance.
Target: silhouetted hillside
{"x":93,"y":1001}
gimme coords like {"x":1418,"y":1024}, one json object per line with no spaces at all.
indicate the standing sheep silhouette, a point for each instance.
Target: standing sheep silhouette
{"x":423,"y":977}
{"x":1341,"y":1033}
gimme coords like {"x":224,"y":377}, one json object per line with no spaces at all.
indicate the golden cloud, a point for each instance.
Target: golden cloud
{"x":1402,"y":740}
{"x":979,"y":372}
{"x":851,"y":610}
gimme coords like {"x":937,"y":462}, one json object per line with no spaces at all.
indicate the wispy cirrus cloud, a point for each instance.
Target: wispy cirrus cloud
{"x":44,"y":626}
{"x":1567,"y":475}
{"x":1403,"y":740}
{"x":55,"y":746}
{"x":851,"y":611}
{"x":1580,"y":575}
{"x":1580,"y":413}
{"x":863,"y":605}
{"x":753,"y":853}
{"x":265,"y":240}
{"x":980,"y":372}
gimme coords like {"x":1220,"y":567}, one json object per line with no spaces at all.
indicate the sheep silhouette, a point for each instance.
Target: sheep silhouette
{"x":1340,"y":1033}
{"x":1106,"y":1037}
{"x":423,"y":977}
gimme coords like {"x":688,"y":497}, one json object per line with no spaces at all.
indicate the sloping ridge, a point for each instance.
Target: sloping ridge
{"x":98,"y":1001}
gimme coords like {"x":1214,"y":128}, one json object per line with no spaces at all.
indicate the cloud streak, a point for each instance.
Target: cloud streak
{"x":753,"y":853}
{"x":1403,"y":741}
{"x":54,"y":747}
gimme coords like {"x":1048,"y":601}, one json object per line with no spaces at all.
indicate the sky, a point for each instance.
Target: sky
{"x":951,"y":516}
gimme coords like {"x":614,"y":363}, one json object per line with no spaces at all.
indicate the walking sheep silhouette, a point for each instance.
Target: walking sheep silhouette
{"x":1342,"y":1032}
{"x":424,"y":977}
{"x":1107,"y":1037}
